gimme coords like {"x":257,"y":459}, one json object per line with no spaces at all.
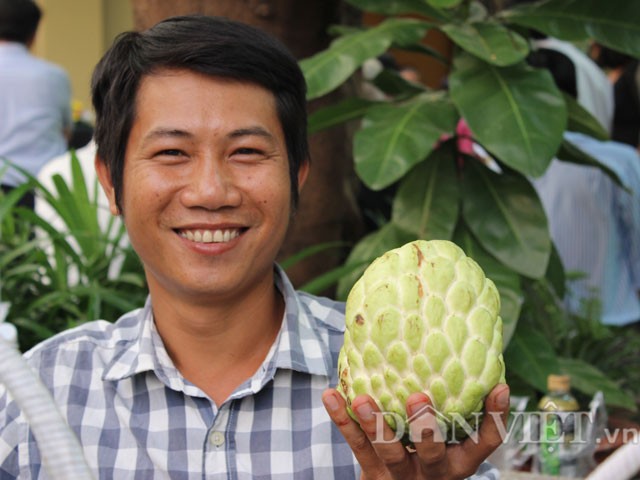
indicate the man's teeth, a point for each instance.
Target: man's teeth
{"x":210,"y":236}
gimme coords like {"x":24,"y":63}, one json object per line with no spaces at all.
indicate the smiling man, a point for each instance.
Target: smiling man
{"x":226,"y":372}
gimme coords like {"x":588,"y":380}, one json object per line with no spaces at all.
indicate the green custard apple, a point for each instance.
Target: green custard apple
{"x":423,"y":318}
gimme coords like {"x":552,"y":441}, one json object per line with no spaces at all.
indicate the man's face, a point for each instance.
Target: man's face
{"x":206,"y":188}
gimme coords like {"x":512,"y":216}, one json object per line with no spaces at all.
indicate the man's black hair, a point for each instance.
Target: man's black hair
{"x":19,"y":20}
{"x":213,"y":46}
{"x":559,"y":65}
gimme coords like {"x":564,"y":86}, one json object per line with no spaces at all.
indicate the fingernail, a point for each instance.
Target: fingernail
{"x":416,"y":408}
{"x":503,"y":398}
{"x":365,"y":411}
{"x":331,"y":402}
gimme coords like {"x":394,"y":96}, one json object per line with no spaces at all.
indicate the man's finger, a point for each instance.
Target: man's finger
{"x":360,"y":445}
{"x":385,"y":441}
{"x":428,"y":439}
{"x":492,"y":428}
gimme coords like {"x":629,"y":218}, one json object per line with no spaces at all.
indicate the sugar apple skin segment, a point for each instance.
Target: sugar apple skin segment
{"x":423,"y":318}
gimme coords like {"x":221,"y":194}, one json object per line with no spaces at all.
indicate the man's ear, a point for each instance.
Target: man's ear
{"x":104,"y":177}
{"x":303,"y":173}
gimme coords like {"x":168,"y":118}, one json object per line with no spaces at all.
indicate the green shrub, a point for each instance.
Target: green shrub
{"x":57,"y":278}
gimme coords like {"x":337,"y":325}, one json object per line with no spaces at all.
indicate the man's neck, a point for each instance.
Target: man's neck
{"x":218,"y":346}
{"x":15,"y":47}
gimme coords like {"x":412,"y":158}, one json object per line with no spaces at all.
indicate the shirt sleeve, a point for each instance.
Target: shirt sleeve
{"x":628,"y":211}
{"x":60,"y":87}
{"x":66,"y":102}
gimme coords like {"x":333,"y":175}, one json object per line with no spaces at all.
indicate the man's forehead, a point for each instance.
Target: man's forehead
{"x":179,"y":103}
{"x":149,"y":79}
{"x":220,"y":77}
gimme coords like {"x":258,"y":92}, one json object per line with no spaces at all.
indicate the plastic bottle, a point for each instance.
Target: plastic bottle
{"x":557,"y":454}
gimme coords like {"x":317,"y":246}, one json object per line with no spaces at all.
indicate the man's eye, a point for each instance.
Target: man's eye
{"x":247,"y":151}
{"x":171,"y":152}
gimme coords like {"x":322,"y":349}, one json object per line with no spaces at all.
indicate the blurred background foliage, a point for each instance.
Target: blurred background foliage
{"x":56,"y":278}
{"x":406,"y":147}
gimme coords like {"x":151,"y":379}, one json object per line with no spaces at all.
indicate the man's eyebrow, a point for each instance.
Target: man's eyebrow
{"x":162,"y":132}
{"x":166,"y":133}
{"x":251,"y":131}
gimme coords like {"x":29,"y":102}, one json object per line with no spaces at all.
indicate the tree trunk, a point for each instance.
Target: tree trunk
{"x":327,"y":210}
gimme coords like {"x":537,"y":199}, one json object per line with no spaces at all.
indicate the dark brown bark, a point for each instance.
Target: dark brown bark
{"x":327,"y":210}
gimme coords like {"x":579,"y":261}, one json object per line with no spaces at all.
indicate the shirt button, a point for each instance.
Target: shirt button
{"x":216,"y":438}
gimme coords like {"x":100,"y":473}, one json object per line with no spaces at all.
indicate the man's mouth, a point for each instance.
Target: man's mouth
{"x":210,"y":236}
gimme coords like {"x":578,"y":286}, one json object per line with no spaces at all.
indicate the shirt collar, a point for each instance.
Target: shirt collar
{"x":13,"y":47}
{"x":140,"y":353}
{"x":300,"y":345}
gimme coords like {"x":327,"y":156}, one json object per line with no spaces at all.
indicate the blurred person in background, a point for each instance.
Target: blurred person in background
{"x":579,"y":76}
{"x":35,"y":98}
{"x":594,"y":222}
{"x":624,"y":74}
{"x":575,"y":73}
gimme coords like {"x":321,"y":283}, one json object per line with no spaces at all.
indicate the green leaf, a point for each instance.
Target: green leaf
{"x":580,"y":120}
{"x":394,"y":138}
{"x":328,"y":279}
{"x":395,"y":7}
{"x":40,"y":330}
{"x":555,"y":273}
{"x":506,"y":216}
{"x":51,"y":299}
{"x":444,"y":3}
{"x":506,"y":280}
{"x":337,"y":30}
{"x":588,"y":379}
{"x":21,"y":271}
{"x":517,"y":112}
{"x":614,"y":23}
{"x":76,"y":214}
{"x":8,"y":201}
{"x":117,"y":298}
{"x":428,"y":51}
{"x":328,"y":69}
{"x":56,"y":238}
{"x":477,"y":12}
{"x":368,"y":249}
{"x":77,"y":180}
{"x":489,"y":41}
{"x":428,"y":198}
{"x":15,"y":253}
{"x":391,"y":83}
{"x":530,"y":355}
{"x":309,"y":252}
{"x":349,"y":109}
{"x":131,"y":279}
{"x":81,"y":196}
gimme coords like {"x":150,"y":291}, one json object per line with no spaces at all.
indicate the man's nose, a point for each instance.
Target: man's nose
{"x":211,"y":184}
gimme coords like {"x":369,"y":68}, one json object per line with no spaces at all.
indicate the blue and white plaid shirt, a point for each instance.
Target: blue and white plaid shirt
{"x":137,"y":417}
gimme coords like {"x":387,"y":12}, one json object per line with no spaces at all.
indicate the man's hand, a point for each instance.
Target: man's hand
{"x":382,"y":456}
